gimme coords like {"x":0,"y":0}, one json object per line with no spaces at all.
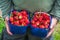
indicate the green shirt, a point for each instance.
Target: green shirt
{"x":37,"y":5}
{"x":33,"y":5}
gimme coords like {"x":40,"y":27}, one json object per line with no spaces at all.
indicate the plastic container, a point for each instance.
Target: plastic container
{"x":39,"y":32}
{"x":18,"y":29}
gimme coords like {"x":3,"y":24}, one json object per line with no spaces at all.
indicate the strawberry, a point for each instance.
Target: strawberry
{"x":11,"y":19}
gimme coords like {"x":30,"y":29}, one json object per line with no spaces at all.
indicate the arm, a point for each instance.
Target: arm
{"x":7,"y":26}
{"x":53,"y":24}
{"x":56,"y":13}
{"x":6,"y":8}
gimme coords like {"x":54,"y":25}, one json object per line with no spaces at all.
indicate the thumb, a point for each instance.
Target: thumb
{"x":9,"y":32}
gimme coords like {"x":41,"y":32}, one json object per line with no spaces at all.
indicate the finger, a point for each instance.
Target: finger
{"x":10,"y":33}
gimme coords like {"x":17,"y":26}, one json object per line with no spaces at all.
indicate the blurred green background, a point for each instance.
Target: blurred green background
{"x":56,"y":33}
{"x":2,"y":24}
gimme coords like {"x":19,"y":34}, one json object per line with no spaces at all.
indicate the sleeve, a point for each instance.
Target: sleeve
{"x":0,"y":13}
{"x":6,"y":7}
{"x":56,"y":10}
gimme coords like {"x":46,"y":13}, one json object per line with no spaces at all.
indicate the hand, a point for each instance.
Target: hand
{"x":7,"y":26}
{"x":53,"y":24}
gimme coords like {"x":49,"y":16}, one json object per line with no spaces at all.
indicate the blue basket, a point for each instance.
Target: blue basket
{"x":39,"y":32}
{"x":18,"y":29}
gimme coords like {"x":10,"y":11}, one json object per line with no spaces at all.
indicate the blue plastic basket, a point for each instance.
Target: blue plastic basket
{"x":18,"y":29}
{"x":39,"y":32}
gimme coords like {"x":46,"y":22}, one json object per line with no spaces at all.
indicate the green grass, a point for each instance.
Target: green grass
{"x":1,"y":26}
{"x":56,"y":33}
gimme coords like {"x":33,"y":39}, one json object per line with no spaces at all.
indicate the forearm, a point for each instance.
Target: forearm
{"x":56,"y":16}
{"x":50,"y":33}
{"x":52,"y":26}
{"x":6,"y":24}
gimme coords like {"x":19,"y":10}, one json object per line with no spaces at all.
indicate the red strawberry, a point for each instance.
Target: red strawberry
{"x":14,"y":13}
{"x":35,"y":18}
{"x":19,"y":14}
{"x":16,"y":17}
{"x":45,"y":22}
{"x":32,"y":21}
{"x":11,"y":19}
{"x":48,"y":21}
{"x":42,"y":26}
{"x":37,"y":23}
{"x":34,"y":25}
{"x":21,"y":20}
{"x":46,"y":26}
{"x":16,"y":23}
{"x":24,"y":17}
{"x":40,"y":18}
{"x":24,"y":12}
{"x":27,"y":21}
{"x":23,"y":24}
{"x":20,"y":17}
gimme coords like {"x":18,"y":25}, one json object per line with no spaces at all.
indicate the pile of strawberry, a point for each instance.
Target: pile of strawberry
{"x":40,"y":20}
{"x":19,"y":18}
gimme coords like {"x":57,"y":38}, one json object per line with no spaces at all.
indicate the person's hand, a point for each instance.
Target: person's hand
{"x":53,"y":24}
{"x":7,"y":26}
